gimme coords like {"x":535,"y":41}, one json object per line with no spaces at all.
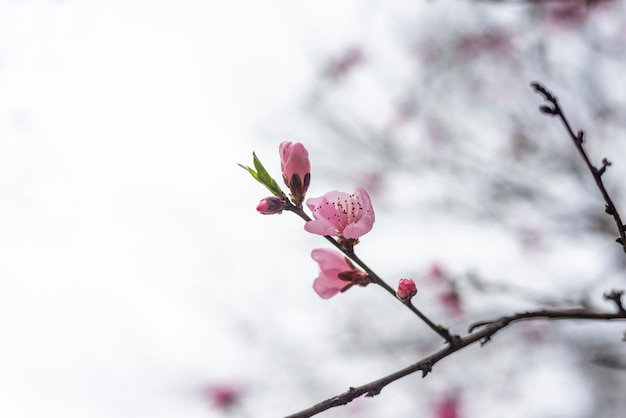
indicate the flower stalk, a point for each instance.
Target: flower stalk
{"x":375,"y":278}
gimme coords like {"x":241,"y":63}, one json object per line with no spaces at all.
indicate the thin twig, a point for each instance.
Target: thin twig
{"x":578,"y":139}
{"x":441,"y":331}
{"x":485,"y":330}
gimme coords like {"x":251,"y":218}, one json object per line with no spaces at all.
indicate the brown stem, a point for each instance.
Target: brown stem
{"x":485,"y":330}
{"x":441,"y":331}
{"x":578,"y":139}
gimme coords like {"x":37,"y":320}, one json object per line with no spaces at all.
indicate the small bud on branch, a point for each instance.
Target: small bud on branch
{"x":406,"y":290}
{"x":547,"y":110}
{"x":296,"y":169}
{"x":271,"y":206}
{"x":605,"y":164}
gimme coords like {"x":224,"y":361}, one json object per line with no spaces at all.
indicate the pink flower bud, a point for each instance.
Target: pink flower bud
{"x":271,"y":206}
{"x":296,"y":169}
{"x":406,"y":289}
{"x":341,"y":214}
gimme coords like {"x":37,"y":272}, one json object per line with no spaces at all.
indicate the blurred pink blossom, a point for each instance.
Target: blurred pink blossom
{"x":436,"y":273}
{"x":372,"y":180}
{"x":341,"y":66}
{"x":451,"y":302}
{"x":572,"y":14}
{"x":471,"y":45}
{"x":337,"y":274}
{"x":223,"y":396}
{"x":406,"y":289}
{"x":448,"y":296}
{"x":449,"y":406}
{"x":296,"y":169}
{"x":533,"y":333}
{"x":530,"y":237}
{"x":566,"y":14}
{"x":341,"y":214}
{"x":270,"y":206}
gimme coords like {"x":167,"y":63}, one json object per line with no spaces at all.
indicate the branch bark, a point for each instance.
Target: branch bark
{"x":478,"y":332}
{"x":483,"y":331}
{"x":349,"y":252}
{"x":554,"y":109}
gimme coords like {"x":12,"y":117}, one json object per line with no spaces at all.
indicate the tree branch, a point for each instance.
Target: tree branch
{"x":555,"y":110}
{"x":485,"y":331}
{"x":440,"y":330}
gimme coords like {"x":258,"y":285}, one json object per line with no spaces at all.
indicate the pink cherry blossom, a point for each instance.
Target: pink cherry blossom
{"x":451,"y":302}
{"x":339,"y":67}
{"x":223,"y":396}
{"x":296,"y":169}
{"x":406,"y":289}
{"x":436,"y":273}
{"x":574,"y":14}
{"x":341,"y":214}
{"x":448,"y":406}
{"x":334,"y":265}
{"x":271,"y":206}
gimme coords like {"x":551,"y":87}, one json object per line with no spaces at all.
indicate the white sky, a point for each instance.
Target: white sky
{"x":126,"y":229}
{"x":120,"y":126}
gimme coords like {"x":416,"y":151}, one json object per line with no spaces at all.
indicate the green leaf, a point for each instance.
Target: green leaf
{"x":262,"y":176}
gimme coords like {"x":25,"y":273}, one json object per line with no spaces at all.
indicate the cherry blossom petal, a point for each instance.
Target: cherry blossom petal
{"x":331,"y":263}
{"x":341,"y":214}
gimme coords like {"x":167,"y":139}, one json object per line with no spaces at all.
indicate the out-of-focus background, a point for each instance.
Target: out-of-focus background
{"x":137,"y":279}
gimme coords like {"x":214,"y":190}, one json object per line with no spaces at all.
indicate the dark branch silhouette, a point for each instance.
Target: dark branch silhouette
{"x":579,"y":138}
{"x":485,"y":331}
{"x":375,"y":278}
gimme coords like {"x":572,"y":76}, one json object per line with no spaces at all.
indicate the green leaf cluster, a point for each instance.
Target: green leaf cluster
{"x":261,"y":175}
